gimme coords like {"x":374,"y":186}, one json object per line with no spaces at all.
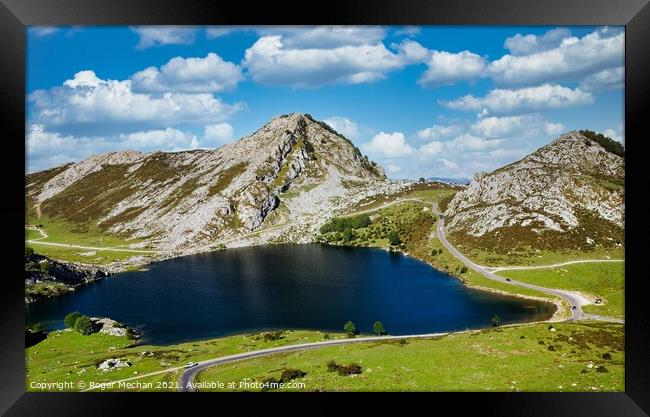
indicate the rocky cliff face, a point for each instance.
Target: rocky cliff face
{"x":569,"y":193}
{"x":46,"y":277}
{"x":290,"y":175}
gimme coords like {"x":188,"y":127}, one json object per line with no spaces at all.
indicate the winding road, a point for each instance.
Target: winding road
{"x":574,"y":299}
{"x":186,"y":382}
{"x":188,"y":375}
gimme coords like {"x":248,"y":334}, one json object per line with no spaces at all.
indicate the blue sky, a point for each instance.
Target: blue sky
{"x":422,"y":101}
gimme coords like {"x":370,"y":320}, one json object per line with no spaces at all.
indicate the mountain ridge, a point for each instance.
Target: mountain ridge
{"x":181,"y":200}
{"x":564,"y":191}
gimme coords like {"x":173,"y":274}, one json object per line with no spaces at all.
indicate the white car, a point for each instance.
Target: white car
{"x":191,"y":365}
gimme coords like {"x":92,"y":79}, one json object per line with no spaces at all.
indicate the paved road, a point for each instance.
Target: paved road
{"x":572,"y":298}
{"x":187,"y":377}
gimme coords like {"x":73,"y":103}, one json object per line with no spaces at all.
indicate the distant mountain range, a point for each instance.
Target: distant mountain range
{"x":460,"y":181}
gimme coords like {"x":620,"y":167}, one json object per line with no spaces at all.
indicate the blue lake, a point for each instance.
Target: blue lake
{"x":286,"y":287}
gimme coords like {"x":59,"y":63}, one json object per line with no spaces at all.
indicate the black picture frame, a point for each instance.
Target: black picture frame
{"x":15,"y":15}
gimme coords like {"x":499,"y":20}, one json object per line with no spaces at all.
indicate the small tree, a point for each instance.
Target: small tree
{"x":378,"y":328}
{"x":496,"y":321}
{"x":37,"y":327}
{"x":350,"y":329}
{"x":71,"y":319}
{"x":28,"y":251}
{"x":393,"y":238}
{"x":347,"y":235}
{"x":83,"y":325}
{"x":463,"y":270}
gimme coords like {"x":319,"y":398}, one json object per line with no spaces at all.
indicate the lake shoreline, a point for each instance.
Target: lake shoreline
{"x":457,"y":324}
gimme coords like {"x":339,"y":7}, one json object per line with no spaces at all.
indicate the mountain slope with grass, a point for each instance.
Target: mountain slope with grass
{"x":290,"y":176}
{"x":567,"y":195}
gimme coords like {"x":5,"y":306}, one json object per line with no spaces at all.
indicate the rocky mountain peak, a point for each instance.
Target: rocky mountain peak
{"x":572,"y":186}
{"x":294,"y":169}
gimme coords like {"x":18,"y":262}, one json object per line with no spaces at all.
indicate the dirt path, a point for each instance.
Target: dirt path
{"x":579,"y":261}
{"x":44,"y":235}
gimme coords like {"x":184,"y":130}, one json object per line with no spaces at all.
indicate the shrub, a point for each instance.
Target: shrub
{"x":45,"y":267}
{"x":290,"y":374}
{"x":350,"y":369}
{"x":309,"y":147}
{"x":551,"y":348}
{"x":344,"y":370}
{"x":463,"y":269}
{"x":393,"y":238}
{"x":28,"y":251}
{"x":347,"y":235}
{"x":402,"y":342}
{"x":496,"y":321}
{"x":607,"y":356}
{"x":609,"y":144}
{"x":339,"y":224}
{"x":271,"y":336}
{"x":71,"y":319}
{"x":350,"y":329}
{"x":37,"y":327}
{"x":602,"y":369}
{"x":327,"y":336}
{"x":83,"y":325}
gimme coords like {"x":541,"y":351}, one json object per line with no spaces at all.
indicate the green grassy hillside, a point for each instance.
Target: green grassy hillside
{"x":522,"y":358}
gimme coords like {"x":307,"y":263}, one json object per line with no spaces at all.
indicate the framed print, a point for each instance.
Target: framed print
{"x":364,"y":197}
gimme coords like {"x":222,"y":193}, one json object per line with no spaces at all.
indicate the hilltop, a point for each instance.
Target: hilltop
{"x":568,"y":194}
{"x":279,"y":183}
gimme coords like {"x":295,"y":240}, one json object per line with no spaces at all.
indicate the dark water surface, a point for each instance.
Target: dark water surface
{"x":286,"y":287}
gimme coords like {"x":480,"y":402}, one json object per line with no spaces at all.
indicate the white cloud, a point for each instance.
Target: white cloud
{"x":411,"y":52}
{"x":344,"y":126}
{"x":388,"y":145}
{"x":469,"y":142}
{"x":46,"y":149}
{"x":445,"y":68}
{"x":88,"y":103}
{"x":449,"y":165}
{"x":326,"y":37}
{"x":439,"y":131}
{"x":218,"y":134}
{"x":41,"y":31}
{"x":608,"y":79}
{"x":213,"y":32}
{"x":524,"y":100}
{"x":507,"y":126}
{"x":430,"y":149}
{"x":393,"y":169}
{"x":408,"y":31}
{"x":528,"y":44}
{"x":159,"y":139}
{"x":325,"y":56}
{"x":554,"y":129}
{"x":164,"y":35}
{"x":190,"y":75}
{"x":572,"y":59}
{"x":616,"y":134}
